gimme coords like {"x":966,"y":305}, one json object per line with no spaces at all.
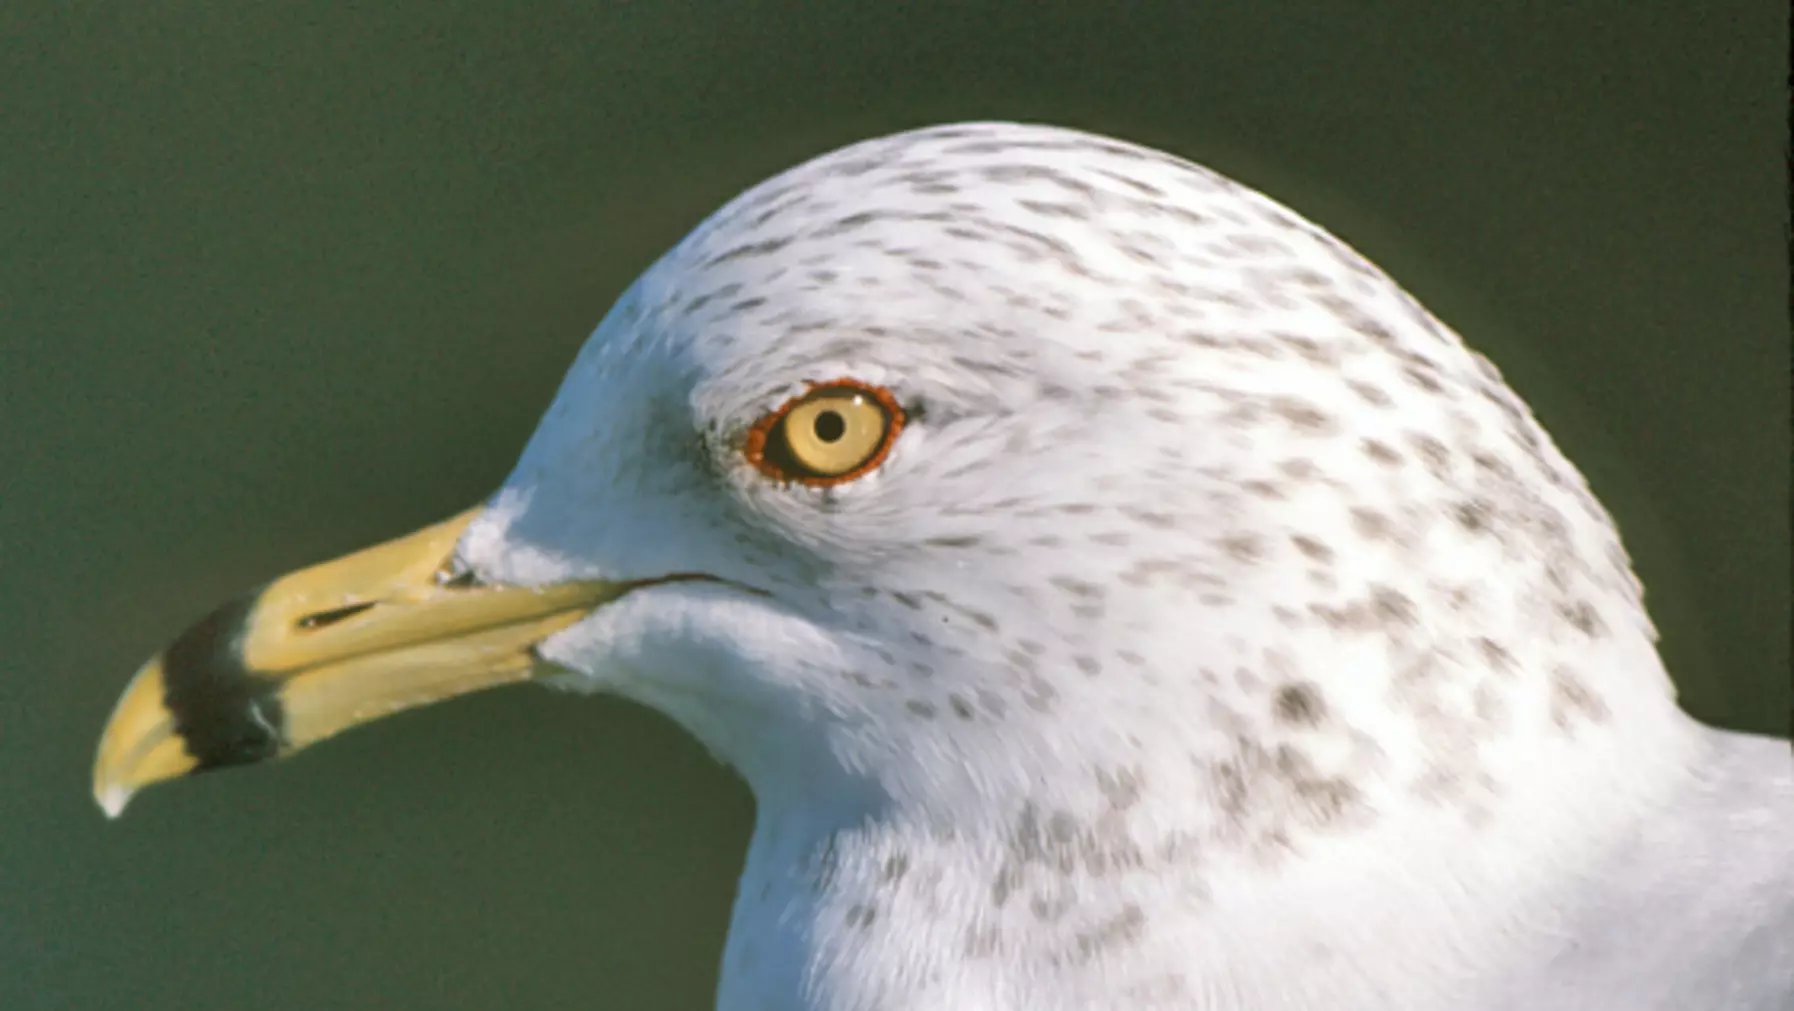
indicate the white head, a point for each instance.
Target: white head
{"x":1186,"y":490}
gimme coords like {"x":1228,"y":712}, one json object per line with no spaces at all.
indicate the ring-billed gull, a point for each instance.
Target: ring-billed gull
{"x":1117,"y":593}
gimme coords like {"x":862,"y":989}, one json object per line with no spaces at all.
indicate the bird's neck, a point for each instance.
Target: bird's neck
{"x":1162,"y":887}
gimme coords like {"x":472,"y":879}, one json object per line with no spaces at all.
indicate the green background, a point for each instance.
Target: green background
{"x":276,"y":282}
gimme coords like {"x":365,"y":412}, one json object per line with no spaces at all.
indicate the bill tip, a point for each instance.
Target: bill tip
{"x":112,"y":800}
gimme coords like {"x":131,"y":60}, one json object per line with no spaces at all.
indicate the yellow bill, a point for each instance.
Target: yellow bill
{"x":323,"y":649}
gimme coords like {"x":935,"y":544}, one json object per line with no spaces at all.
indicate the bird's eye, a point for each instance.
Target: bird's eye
{"x":834,"y":433}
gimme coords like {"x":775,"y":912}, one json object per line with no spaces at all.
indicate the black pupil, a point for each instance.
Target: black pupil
{"x":830,"y":426}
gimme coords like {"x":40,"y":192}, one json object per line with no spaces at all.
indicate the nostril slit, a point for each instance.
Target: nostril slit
{"x":459,"y":581}
{"x":322,"y":619}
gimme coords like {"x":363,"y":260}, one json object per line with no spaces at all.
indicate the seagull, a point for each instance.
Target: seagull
{"x":1117,"y":592}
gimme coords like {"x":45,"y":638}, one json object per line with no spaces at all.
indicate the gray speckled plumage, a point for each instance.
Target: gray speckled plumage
{"x":1221,"y":632}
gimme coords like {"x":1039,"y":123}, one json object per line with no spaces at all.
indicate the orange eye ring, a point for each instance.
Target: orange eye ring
{"x":853,"y":426}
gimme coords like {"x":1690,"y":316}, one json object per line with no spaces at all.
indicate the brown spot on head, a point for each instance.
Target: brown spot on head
{"x":1261,"y":348}
{"x":1300,"y":704}
{"x":1008,"y":878}
{"x":1121,"y":788}
{"x":1473,"y":515}
{"x":1584,"y":618}
{"x":1077,"y":587}
{"x":1049,"y":909}
{"x":1299,"y":469}
{"x":1039,"y":694}
{"x":1495,"y":653}
{"x":1312,"y":549}
{"x":1302,"y":416}
{"x":1370,"y":394}
{"x":1119,"y":931}
{"x":1308,"y":347}
{"x":1242,"y":547}
{"x":1381,"y":452}
{"x":1432,"y":452}
{"x":1572,"y":701}
{"x":1351,"y":617}
{"x":1372,"y":524}
{"x":1421,"y":378}
{"x":1392,"y":606}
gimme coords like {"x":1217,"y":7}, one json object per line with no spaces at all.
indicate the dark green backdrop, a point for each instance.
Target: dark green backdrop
{"x":275,"y":283}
